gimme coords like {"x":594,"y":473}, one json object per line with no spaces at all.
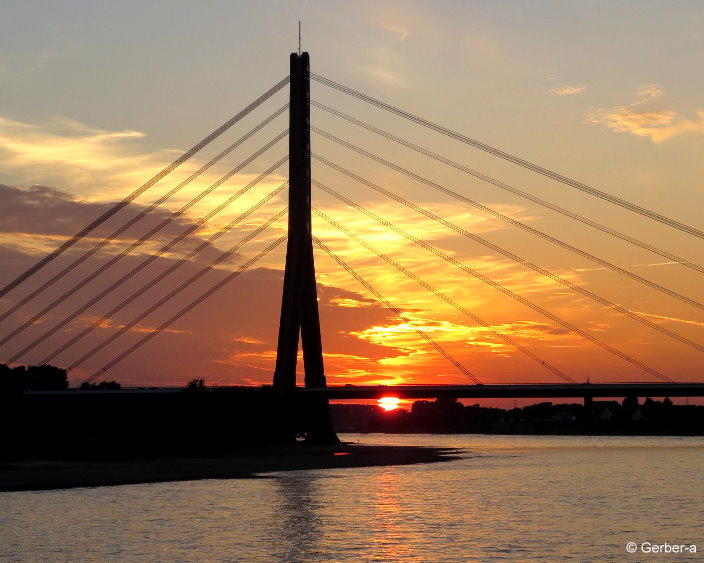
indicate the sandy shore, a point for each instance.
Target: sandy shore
{"x":38,"y":475}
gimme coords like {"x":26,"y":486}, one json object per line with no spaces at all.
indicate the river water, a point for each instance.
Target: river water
{"x":510,"y":497}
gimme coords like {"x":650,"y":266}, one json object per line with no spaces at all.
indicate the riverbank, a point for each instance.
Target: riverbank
{"x":39,"y":475}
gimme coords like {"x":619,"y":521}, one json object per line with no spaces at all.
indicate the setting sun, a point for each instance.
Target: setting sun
{"x":389,"y":403}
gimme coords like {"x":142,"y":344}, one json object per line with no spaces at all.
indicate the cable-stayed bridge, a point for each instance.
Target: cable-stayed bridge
{"x":299,"y":319}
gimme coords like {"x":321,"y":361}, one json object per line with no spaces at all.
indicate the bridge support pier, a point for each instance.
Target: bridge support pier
{"x":299,"y":303}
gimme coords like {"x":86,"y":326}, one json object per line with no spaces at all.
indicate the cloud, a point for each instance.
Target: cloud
{"x":247,"y":340}
{"x":383,"y":73}
{"x":654,"y":264}
{"x":40,"y":217}
{"x":404,"y":336}
{"x":410,"y":220}
{"x":673,"y":319}
{"x":397,"y":30}
{"x":595,"y":269}
{"x":100,"y":164}
{"x":657,"y":124}
{"x":568,"y":90}
{"x":648,"y":91}
{"x":385,"y":64}
{"x":457,"y":283}
{"x":63,"y":146}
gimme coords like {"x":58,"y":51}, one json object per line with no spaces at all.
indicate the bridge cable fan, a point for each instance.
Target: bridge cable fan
{"x":170,"y":270}
{"x":512,"y":189}
{"x":224,"y":256}
{"x":144,"y":187}
{"x":186,"y":309}
{"x":476,"y":238}
{"x":153,"y":231}
{"x":496,"y":285}
{"x":506,"y":338}
{"x":429,"y":339}
{"x":139,"y":216}
{"x":514,"y":222}
{"x":514,"y":159}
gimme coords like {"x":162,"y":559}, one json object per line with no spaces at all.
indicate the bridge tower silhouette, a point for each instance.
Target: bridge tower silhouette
{"x":299,"y":302}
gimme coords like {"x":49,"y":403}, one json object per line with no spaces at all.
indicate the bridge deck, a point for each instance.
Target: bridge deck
{"x":538,"y":390}
{"x":499,"y":391}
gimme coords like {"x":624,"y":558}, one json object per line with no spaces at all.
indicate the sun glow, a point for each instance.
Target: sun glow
{"x":389,"y":403}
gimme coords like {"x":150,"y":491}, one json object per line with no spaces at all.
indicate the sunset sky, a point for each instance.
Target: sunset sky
{"x":96,"y":97}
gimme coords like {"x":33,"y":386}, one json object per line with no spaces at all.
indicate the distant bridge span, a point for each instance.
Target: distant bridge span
{"x":512,"y":391}
{"x":493,"y":391}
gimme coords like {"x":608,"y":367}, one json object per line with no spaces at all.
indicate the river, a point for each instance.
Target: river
{"x":510,"y":497}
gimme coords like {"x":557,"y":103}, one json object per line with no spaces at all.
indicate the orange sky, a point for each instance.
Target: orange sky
{"x":633,"y":130}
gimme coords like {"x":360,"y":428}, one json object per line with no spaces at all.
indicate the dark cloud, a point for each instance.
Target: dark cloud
{"x":46,"y":211}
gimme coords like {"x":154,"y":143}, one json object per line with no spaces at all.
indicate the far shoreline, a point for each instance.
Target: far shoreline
{"x":36,"y":475}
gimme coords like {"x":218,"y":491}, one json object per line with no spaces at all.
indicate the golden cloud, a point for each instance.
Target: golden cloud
{"x":568,"y":90}
{"x":648,"y":91}
{"x":246,"y":340}
{"x":657,"y":124}
{"x":673,"y":319}
{"x":65,"y":146}
{"x":350,"y":303}
{"x":102,"y":165}
{"x":452,"y":281}
{"x":401,"y":32}
{"x":138,"y":329}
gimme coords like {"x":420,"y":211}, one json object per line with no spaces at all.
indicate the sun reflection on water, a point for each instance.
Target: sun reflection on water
{"x":391,"y":535}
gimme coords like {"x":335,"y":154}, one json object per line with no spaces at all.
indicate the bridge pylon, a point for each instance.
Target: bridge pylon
{"x":299,"y":303}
